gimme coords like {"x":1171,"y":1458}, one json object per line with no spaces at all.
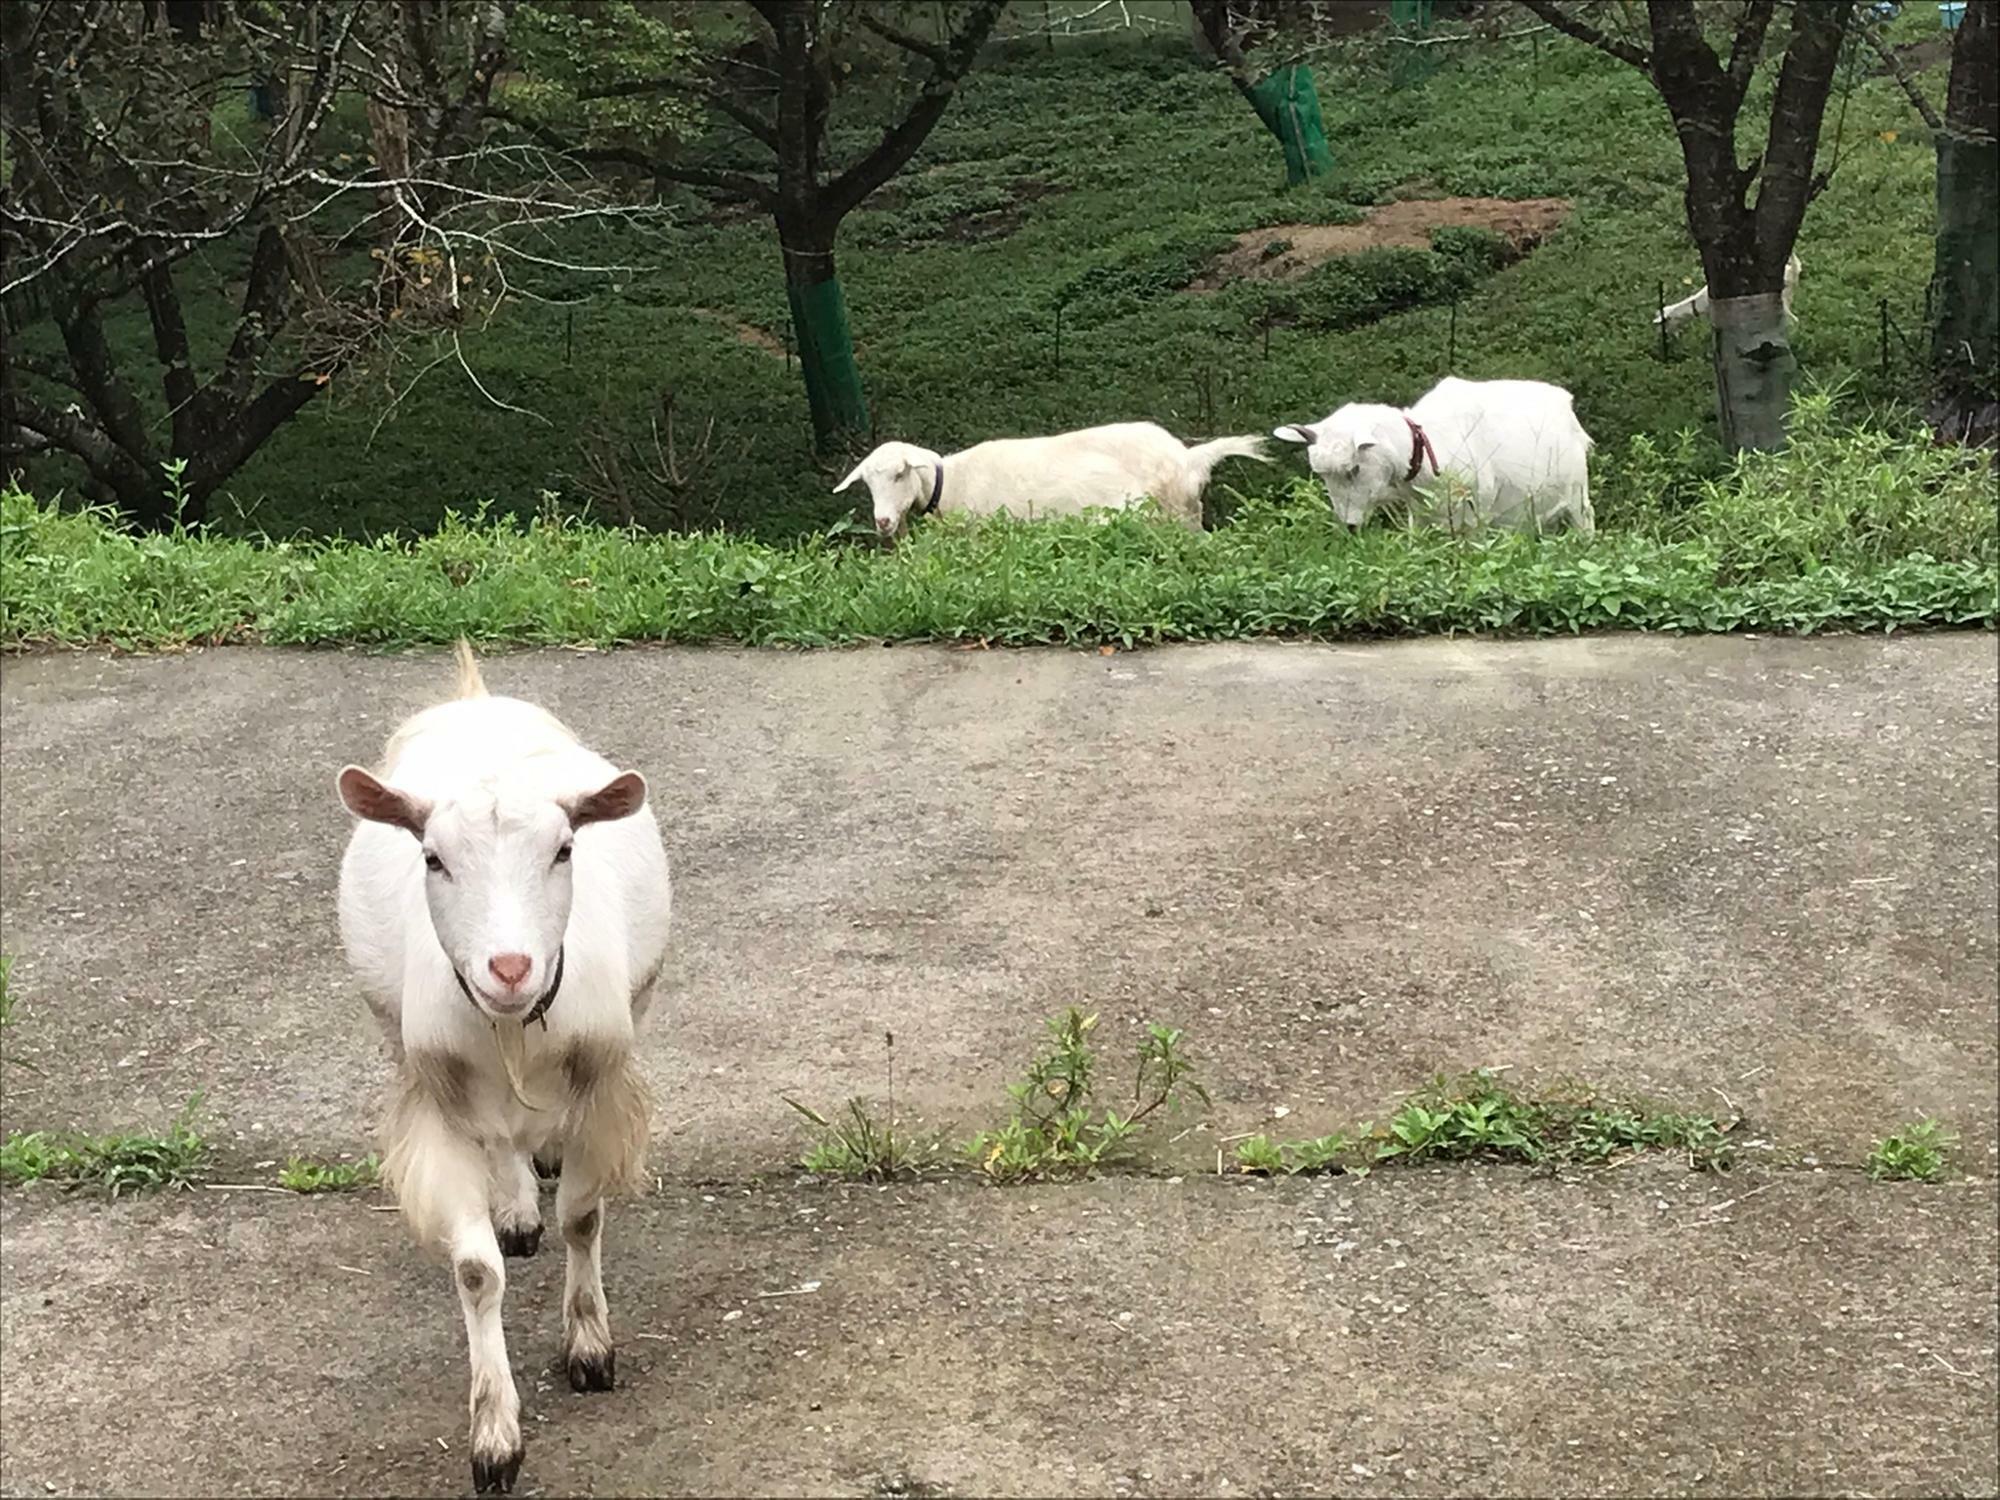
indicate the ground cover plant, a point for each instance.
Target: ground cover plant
{"x":1850,"y":528}
{"x":121,"y":1162}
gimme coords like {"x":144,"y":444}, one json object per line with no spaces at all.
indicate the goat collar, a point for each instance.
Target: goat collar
{"x":540,"y":1012}
{"x":937,"y":489}
{"x":1420,"y":448}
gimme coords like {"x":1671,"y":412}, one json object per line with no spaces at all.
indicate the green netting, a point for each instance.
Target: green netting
{"x":826,"y":358}
{"x":1411,"y":65}
{"x":1287,"y":101}
{"x":1415,"y":13}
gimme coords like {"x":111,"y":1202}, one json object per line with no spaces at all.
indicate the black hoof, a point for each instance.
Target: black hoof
{"x":548,"y":1167}
{"x":491,"y":1476}
{"x":520,"y":1243}
{"x":593,"y":1373}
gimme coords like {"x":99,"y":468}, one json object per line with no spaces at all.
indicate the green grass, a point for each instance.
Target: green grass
{"x":6,"y":988}
{"x":303,"y":1174}
{"x":1851,"y":528}
{"x":120,"y":1163}
{"x":1916,"y":1153}
{"x":1103,"y":176}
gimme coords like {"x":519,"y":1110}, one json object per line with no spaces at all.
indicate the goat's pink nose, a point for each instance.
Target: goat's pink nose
{"x":510,"y":968}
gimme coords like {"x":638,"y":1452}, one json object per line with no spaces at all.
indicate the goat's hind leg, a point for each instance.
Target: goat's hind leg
{"x":517,"y":1209}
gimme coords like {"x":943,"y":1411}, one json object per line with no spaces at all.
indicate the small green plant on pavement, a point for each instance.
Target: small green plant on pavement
{"x":302,"y":1174}
{"x":856,"y":1143}
{"x":1057,"y":1130}
{"x":119,"y":1164}
{"x":1916,"y":1153}
{"x":1260,"y":1156}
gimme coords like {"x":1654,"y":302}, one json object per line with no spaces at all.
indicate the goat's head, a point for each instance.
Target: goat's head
{"x":1353,"y":459}
{"x":497,"y":875}
{"x":901,"y":477}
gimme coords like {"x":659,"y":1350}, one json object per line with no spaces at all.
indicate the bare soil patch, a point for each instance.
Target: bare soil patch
{"x":761,"y":339}
{"x":1523,"y":222}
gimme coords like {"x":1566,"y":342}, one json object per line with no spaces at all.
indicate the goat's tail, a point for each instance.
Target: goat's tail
{"x":470,"y":683}
{"x":1203,"y":457}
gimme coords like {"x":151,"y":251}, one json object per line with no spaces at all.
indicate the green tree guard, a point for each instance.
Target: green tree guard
{"x":826,"y":360}
{"x":1287,"y":101}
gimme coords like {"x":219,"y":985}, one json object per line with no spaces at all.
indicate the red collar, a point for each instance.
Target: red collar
{"x":1420,"y":447}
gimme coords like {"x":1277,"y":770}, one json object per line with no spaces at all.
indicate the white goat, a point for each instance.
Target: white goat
{"x":1109,"y":467}
{"x":1499,"y":452}
{"x":505,"y":903}
{"x":1679,"y":314}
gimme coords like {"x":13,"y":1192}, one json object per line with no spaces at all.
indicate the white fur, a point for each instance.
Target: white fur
{"x":1509,"y":453}
{"x":1679,"y":314}
{"x":497,"y":787}
{"x":1104,"y":467}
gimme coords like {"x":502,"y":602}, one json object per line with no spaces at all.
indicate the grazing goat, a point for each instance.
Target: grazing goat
{"x":1678,"y":315}
{"x":1048,"y":476}
{"x":1508,"y":452}
{"x":505,"y":903}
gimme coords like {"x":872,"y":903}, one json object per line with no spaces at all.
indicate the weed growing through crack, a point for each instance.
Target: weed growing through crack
{"x":856,"y":1142}
{"x":1476,"y":1115}
{"x":6,"y":991}
{"x":1057,"y":1130}
{"x":302,"y":1174}
{"x":134,"y":1162}
{"x":1916,"y":1153}
{"x":1263,"y":1157}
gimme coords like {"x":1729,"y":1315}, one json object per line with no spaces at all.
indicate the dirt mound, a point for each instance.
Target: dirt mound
{"x":1523,"y":222}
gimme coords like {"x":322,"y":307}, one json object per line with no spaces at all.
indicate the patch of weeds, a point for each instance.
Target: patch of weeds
{"x":1260,"y":1156}
{"x":304,"y":1175}
{"x":1916,"y":1153}
{"x":6,"y":989}
{"x":1477,"y":1116}
{"x":136,"y":1162}
{"x":857,"y":1143}
{"x":1056,"y":1129}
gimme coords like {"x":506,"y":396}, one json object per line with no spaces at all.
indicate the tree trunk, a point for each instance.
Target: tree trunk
{"x":1287,"y":101}
{"x":1754,"y":369}
{"x":1965,"y":344}
{"x":826,"y":348}
{"x":1285,"y":98}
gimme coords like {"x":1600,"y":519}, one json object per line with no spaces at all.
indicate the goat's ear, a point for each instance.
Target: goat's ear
{"x":368,"y":798}
{"x":850,"y":478}
{"x":620,"y":797}
{"x":1364,"y":445}
{"x":1298,"y":433}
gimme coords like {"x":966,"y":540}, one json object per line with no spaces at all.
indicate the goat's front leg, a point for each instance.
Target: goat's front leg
{"x":445,"y":1188}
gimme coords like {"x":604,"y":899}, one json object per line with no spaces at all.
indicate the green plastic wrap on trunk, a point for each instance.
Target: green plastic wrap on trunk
{"x":826,"y":359}
{"x":1288,"y":104}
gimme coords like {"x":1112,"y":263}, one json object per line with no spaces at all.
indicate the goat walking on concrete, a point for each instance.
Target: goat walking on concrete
{"x":505,"y":902}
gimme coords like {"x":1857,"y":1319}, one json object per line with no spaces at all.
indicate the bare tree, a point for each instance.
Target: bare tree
{"x":773,"y":98}
{"x":123,"y":180}
{"x":1744,"y":241}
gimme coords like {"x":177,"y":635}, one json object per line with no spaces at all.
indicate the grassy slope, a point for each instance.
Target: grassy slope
{"x":1151,"y":160}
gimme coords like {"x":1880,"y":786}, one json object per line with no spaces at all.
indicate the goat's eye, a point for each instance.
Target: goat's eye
{"x":433,"y":863}
{"x":562,"y":855}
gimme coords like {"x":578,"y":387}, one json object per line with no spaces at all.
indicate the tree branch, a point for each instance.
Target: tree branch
{"x":755,"y":125}
{"x":1569,"y":25}
{"x":930,"y":51}
{"x":1900,"y":72}
{"x":900,"y":142}
{"x":83,"y":440}
{"x":1748,"y":47}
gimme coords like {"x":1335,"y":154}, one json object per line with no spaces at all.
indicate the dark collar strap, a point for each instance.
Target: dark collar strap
{"x":1420,"y":446}
{"x":541,"y":1010}
{"x":937,"y":490}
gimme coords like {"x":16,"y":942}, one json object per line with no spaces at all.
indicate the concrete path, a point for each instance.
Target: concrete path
{"x":1753,"y":876}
